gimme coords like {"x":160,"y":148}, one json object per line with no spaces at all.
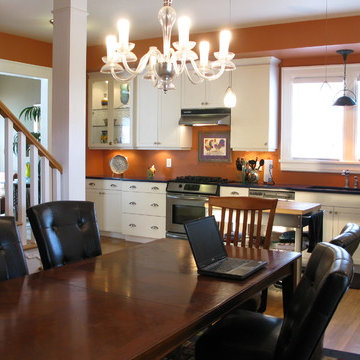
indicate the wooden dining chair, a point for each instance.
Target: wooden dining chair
{"x":241,"y":224}
{"x":242,"y":219}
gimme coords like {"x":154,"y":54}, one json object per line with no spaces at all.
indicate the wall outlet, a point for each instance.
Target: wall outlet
{"x":168,"y":163}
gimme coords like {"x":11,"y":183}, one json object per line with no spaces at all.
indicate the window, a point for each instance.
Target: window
{"x":315,"y":135}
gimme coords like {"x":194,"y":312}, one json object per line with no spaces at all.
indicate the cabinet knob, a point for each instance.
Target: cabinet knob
{"x":154,"y":227}
{"x":132,"y":203}
{"x":155,"y":188}
{"x":132,"y":225}
{"x":132,"y":187}
{"x":234,"y":193}
{"x":113,"y":185}
{"x":91,"y":184}
{"x":110,"y":142}
{"x":154,"y":205}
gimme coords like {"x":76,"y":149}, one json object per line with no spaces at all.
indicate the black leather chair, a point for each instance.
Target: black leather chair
{"x":248,"y":335}
{"x":12,"y":259}
{"x":65,"y":231}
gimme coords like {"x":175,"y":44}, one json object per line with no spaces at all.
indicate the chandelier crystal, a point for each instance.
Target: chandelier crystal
{"x":163,"y":67}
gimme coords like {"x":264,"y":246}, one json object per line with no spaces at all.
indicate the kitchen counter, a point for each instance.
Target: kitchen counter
{"x":310,"y":188}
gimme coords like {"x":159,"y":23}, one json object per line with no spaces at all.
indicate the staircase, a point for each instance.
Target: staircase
{"x":42,"y":187}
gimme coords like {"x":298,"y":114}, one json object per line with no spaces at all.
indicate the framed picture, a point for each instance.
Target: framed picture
{"x":214,"y":146}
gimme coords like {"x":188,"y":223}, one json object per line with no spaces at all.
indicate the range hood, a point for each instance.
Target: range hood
{"x":203,"y":117}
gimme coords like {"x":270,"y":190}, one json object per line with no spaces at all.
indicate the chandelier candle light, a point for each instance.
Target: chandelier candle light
{"x":162,"y":68}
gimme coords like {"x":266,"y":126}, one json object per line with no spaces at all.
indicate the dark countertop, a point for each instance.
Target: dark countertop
{"x":310,"y":188}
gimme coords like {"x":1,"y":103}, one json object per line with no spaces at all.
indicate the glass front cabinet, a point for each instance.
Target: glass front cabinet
{"x":110,"y":112}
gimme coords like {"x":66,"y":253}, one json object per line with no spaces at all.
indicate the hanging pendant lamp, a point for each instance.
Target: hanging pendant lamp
{"x":348,"y":98}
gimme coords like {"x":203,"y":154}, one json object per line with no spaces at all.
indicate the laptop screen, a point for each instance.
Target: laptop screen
{"x":205,"y":241}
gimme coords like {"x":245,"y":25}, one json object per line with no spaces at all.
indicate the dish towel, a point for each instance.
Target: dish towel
{"x":315,"y":222}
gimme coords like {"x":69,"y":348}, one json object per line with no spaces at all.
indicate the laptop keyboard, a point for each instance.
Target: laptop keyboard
{"x":227,"y":265}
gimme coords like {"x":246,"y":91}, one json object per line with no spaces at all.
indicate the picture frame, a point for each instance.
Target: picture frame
{"x":214,"y":146}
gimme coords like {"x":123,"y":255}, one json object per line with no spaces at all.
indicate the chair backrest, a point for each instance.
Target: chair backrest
{"x":248,"y":214}
{"x":65,"y":231}
{"x":12,"y":259}
{"x":349,"y":238}
{"x":327,"y":277}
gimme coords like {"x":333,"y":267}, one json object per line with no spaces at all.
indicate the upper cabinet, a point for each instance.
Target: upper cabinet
{"x":208,"y":94}
{"x":158,"y":116}
{"x":254,"y":119}
{"x":110,"y":112}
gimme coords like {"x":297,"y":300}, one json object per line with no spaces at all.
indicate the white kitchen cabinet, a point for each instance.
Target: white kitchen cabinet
{"x":254,"y":118}
{"x":144,"y":209}
{"x":110,"y":112}
{"x":233,"y":191}
{"x":339,"y":209}
{"x":208,"y":94}
{"x":107,"y":196}
{"x":157,"y":118}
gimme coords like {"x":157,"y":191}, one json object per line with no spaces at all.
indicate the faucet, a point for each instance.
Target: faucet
{"x":346,"y":173}
{"x":356,"y":182}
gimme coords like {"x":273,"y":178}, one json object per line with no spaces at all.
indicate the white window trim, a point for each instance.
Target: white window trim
{"x":288,"y":75}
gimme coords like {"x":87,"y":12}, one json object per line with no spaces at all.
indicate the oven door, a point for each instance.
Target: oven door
{"x":181,"y":208}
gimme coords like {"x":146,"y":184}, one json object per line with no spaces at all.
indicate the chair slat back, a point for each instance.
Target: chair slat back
{"x":245,"y":213}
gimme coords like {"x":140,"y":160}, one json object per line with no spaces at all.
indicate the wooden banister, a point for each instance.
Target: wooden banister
{"x":18,"y":126}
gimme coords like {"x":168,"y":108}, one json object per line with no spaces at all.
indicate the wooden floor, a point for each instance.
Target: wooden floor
{"x":342,"y":335}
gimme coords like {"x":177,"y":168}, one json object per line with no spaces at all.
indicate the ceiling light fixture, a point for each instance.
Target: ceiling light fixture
{"x":345,"y":100}
{"x":162,"y":68}
{"x":230,"y":97}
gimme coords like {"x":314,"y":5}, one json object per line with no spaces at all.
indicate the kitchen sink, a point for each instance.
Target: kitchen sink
{"x":334,"y":188}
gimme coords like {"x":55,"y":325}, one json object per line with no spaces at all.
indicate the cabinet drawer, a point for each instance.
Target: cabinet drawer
{"x":144,"y":186}
{"x":143,"y":225}
{"x":144,"y":203}
{"x":233,"y":191}
{"x":103,"y":184}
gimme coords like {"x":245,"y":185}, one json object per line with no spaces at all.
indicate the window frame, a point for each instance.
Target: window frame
{"x":334,"y":72}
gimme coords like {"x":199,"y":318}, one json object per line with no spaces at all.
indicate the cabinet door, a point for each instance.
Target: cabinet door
{"x":215,"y":91}
{"x":96,"y":197}
{"x":147,"y":109}
{"x":328,"y":221}
{"x":112,"y":204}
{"x":254,"y":118}
{"x":192,"y":96}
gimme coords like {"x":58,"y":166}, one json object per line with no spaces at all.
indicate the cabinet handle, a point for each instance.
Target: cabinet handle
{"x":101,"y":193}
{"x":110,"y":142}
{"x":132,"y":225}
{"x":155,"y":188}
{"x":330,"y":212}
{"x":91,"y":184}
{"x":132,"y":203}
{"x":154,"y":205}
{"x":154,"y":227}
{"x":113,"y":185}
{"x":335,"y":212}
{"x":132,"y":187}
{"x":206,"y":103}
{"x":234,"y":193}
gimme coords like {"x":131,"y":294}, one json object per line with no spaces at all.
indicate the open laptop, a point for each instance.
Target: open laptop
{"x":210,"y":253}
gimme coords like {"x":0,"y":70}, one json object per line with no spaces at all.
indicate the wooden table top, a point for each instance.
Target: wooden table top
{"x":137,"y":303}
{"x":296,"y":208}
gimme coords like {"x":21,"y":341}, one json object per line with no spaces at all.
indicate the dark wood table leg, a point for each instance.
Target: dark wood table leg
{"x":288,"y":286}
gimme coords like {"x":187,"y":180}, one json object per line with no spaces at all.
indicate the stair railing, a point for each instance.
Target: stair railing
{"x":27,"y":193}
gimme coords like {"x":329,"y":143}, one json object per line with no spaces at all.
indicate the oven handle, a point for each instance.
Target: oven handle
{"x":188,"y":197}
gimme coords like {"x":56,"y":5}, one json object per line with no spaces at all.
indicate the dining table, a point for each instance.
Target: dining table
{"x":141,"y":302}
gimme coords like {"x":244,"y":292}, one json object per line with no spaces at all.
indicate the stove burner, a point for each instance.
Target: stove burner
{"x":201,"y":179}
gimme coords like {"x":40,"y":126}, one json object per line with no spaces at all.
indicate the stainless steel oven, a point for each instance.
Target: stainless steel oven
{"x":186,"y":200}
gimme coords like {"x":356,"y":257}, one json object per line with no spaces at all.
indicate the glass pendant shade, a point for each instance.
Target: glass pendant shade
{"x":229,"y":98}
{"x":345,"y":100}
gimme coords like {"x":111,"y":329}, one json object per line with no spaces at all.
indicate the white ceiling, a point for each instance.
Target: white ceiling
{"x":30,"y":18}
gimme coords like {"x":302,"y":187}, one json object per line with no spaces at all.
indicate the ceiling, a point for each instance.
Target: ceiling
{"x":30,"y":18}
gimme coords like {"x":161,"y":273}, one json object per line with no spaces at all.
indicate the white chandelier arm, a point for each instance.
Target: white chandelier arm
{"x":141,"y":66}
{"x":195,"y":82}
{"x":118,"y":78}
{"x":208,"y":77}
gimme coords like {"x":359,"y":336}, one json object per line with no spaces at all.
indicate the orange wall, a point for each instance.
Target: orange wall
{"x":296,"y":44}
{"x":20,"y":49}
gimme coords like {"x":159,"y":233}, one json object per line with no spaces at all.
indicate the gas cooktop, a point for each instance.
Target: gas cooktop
{"x":200,"y":179}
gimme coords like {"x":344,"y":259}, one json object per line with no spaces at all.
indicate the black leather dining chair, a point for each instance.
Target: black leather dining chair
{"x":65,"y":231}
{"x":249,"y":335}
{"x":12,"y":259}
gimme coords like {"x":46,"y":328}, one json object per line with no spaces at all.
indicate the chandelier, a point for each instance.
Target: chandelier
{"x":163,"y":68}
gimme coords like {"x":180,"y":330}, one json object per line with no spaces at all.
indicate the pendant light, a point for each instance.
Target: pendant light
{"x":325,"y":86}
{"x":348,"y":98}
{"x":230,"y":97}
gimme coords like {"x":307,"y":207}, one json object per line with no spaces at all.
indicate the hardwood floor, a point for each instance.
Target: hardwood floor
{"x":342,"y":332}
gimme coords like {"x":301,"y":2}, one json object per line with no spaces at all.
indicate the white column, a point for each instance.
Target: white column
{"x":69,"y":94}
{"x":9,"y":168}
{"x":21,"y":187}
